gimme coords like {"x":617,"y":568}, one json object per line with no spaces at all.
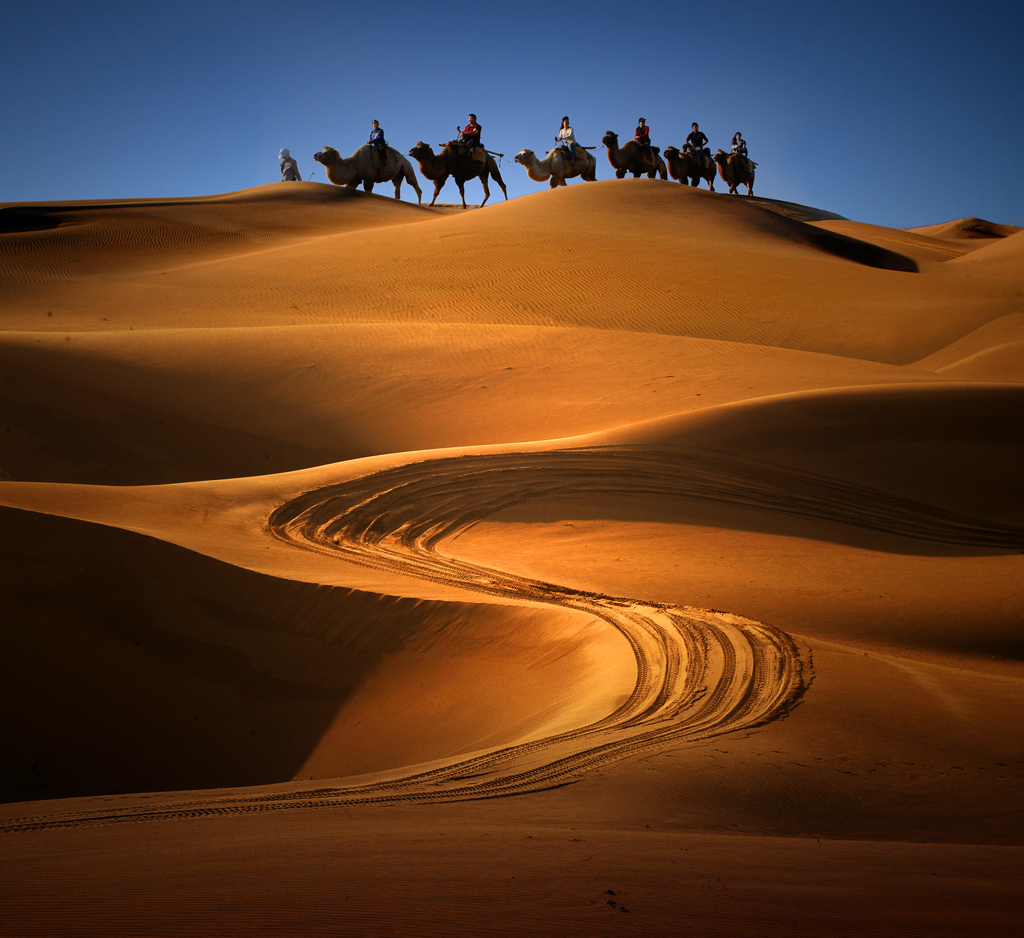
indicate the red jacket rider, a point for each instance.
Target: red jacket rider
{"x":470,"y":134}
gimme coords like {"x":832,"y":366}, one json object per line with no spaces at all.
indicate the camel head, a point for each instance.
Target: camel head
{"x":327,"y":156}
{"x":671,"y":153}
{"x":610,"y":139}
{"x":523,"y":156}
{"x":421,"y":150}
{"x":721,"y":156}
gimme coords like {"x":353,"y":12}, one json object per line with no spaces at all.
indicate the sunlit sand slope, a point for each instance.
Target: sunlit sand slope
{"x":47,"y":245}
{"x":651,"y":257}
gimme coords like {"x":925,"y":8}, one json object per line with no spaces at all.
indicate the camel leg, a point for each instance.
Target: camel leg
{"x":398,"y":185}
{"x":462,"y":191}
{"x":438,"y":183}
{"x":553,"y":182}
{"x":487,"y":192}
{"x":620,"y":174}
{"x":411,"y":179}
{"x":367,"y":185}
{"x":501,"y":182}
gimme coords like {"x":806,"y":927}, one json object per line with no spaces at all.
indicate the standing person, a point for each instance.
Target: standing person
{"x":696,"y":139}
{"x":643,"y":137}
{"x":469,"y":136}
{"x":378,"y":142}
{"x":289,"y":168}
{"x":567,"y":138}
{"x":739,"y":145}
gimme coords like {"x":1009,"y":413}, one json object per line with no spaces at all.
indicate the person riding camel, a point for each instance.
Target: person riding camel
{"x":289,"y":168}
{"x":469,"y":136}
{"x":378,"y":142}
{"x":643,"y":137}
{"x":567,"y":138}
{"x":739,"y":145}
{"x":696,"y":141}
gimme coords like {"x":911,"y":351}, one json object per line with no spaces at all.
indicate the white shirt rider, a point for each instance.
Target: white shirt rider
{"x":567,"y":138}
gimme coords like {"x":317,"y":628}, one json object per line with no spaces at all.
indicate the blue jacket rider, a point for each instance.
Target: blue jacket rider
{"x":377,"y":140}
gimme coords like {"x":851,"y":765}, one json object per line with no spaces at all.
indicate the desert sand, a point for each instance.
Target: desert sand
{"x":620,"y":559}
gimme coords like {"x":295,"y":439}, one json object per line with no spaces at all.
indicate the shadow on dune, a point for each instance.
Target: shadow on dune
{"x":135,"y":665}
{"x":861,"y":252}
{"x":57,"y":429}
{"x":28,"y":218}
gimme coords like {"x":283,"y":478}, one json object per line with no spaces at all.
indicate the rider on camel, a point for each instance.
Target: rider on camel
{"x":643,"y":137}
{"x":696,"y":140}
{"x":739,"y":145}
{"x":378,"y":142}
{"x":469,"y":136}
{"x":567,"y":138}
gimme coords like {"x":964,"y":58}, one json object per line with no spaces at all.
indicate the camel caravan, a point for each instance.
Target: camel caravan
{"x":465,"y":158}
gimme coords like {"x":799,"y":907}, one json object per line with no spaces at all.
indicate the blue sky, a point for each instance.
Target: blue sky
{"x":892,"y":113}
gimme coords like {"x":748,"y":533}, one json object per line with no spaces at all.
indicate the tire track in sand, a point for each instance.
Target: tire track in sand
{"x":700,"y":673}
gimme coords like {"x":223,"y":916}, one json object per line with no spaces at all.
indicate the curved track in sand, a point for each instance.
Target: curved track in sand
{"x":700,"y":674}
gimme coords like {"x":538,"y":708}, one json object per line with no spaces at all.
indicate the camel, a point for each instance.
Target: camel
{"x":631,"y":159}
{"x":735,"y":170}
{"x":362,"y":167}
{"x":451,"y":162}
{"x":685,"y":164}
{"x":557,"y":166}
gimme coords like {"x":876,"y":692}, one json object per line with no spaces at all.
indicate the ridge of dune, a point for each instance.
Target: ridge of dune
{"x":311,"y":192}
{"x":947,"y":445}
{"x":1003,"y":362}
{"x":920,"y":248}
{"x":995,"y":352}
{"x":1003,"y":256}
{"x":1002,"y":331}
{"x":560,"y":258}
{"x":180,"y":405}
{"x":966,"y":229}
{"x":952,"y":445}
{"x":44,"y":243}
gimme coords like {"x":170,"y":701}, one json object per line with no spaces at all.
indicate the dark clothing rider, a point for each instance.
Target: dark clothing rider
{"x":696,"y":140}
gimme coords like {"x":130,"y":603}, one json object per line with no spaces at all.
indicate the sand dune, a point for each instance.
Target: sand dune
{"x":691,"y":521}
{"x":967,"y":229}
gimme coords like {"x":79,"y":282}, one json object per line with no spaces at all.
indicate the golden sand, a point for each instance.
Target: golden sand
{"x":623,"y":545}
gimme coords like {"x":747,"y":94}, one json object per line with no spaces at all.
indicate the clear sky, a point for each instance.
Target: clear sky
{"x":896,"y":113}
